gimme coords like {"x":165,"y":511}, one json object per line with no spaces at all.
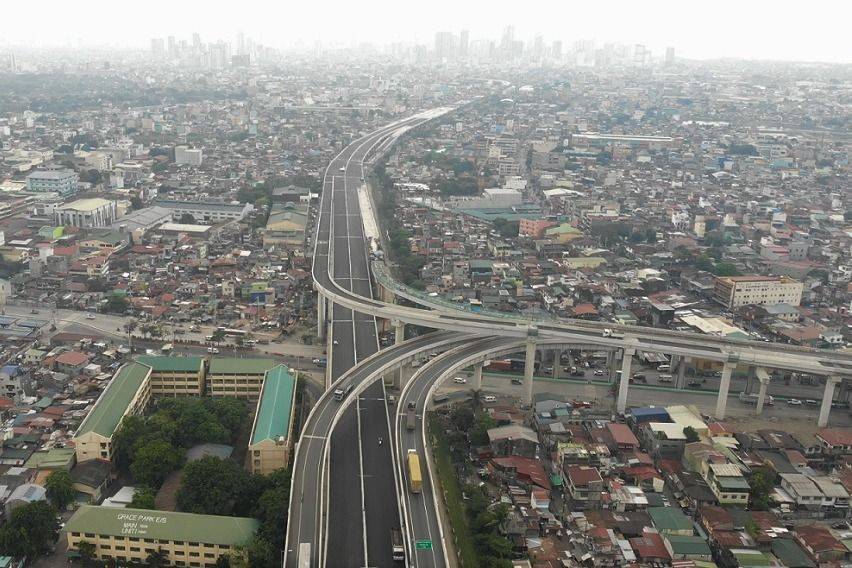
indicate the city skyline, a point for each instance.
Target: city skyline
{"x":730,"y":30}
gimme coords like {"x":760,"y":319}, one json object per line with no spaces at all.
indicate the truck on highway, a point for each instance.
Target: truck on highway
{"x":341,"y":391}
{"x":611,"y":333}
{"x":415,"y":479}
{"x":397,"y":544}
{"x":305,"y":555}
{"x":752,"y":399}
{"x":410,"y":417}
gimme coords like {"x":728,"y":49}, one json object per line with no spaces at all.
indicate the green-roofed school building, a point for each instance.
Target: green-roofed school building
{"x":239,"y":378}
{"x":128,"y":392}
{"x":130,"y":535}
{"x":269,"y":446}
{"x":175,"y":376}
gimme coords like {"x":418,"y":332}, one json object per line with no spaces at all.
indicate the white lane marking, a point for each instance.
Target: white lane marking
{"x":361,"y":465}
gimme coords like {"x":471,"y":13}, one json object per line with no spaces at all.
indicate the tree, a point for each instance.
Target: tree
{"x":153,"y":461}
{"x":60,"y":488}
{"x":209,"y":486}
{"x":507,"y":229}
{"x":87,"y":552}
{"x":761,"y":485}
{"x":136,"y":203}
{"x":196,"y":425}
{"x":117,"y":304}
{"x":726,"y":269}
{"x":261,"y":554}
{"x":704,"y":263}
{"x":143,"y":498}
{"x":30,"y":531}
{"x":218,"y":336}
{"x":187,"y":219}
{"x":229,"y":412}
{"x":691,"y":434}
{"x":157,"y":558}
{"x":479,"y":433}
{"x":129,"y":327}
{"x":463,"y":418}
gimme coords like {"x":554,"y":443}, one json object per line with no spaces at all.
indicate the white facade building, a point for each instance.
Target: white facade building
{"x":87,"y":213}
{"x":184,"y":155}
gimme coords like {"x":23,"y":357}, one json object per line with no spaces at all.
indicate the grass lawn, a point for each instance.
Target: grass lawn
{"x":453,"y":494}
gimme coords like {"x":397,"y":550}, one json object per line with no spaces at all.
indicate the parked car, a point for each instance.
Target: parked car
{"x":599,"y":373}
{"x":213,"y":350}
{"x":460,"y":380}
{"x":517,"y":381}
{"x":489,"y":398}
{"x":811,"y":401}
{"x":794,"y":402}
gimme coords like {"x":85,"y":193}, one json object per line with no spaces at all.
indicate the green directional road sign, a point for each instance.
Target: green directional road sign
{"x":423,"y":545}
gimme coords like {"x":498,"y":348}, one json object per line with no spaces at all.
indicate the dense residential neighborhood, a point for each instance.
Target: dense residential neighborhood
{"x":164,"y":340}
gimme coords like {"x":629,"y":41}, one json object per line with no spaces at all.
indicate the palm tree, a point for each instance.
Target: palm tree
{"x":130,"y":326}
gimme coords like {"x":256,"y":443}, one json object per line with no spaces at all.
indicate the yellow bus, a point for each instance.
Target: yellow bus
{"x":415,"y":479}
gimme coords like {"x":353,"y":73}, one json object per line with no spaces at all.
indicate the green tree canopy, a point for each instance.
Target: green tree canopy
{"x":60,"y":488}
{"x":761,"y":485}
{"x":30,"y":530}
{"x":154,"y":461}
{"x":210,"y":485}
{"x":143,"y":498}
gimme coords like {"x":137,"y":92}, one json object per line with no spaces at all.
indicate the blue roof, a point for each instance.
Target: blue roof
{"x":649,"y":412}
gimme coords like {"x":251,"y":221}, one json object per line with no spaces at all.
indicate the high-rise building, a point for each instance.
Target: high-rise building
{"x":464,"y":42}
{"x":444,"y":45}
{"x":556,"y":50}
{"x":172,"y":47}
{"x":158,"y":47}
{"x":670,"y":55}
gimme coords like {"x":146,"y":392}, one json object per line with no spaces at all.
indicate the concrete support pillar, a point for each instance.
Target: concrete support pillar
{"x":750,"y":376}
{"x":624,"y":384}
{"x":476,"y":381}
{"x":529,"y":369}
{"x":557,"y":363}
{"x":681,"y":372}
{"x":399,"y":331}
{"x":827,"y":396}
{"x":610,"y":366}
{"x":724,"y":386}
{"x":321,"y":316}
{"x":763,"y":377}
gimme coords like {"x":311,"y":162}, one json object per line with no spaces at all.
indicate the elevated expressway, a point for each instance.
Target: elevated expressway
{"x":345,"y":302}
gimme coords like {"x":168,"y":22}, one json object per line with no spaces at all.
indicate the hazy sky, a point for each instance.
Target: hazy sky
{"x":802,"y":30}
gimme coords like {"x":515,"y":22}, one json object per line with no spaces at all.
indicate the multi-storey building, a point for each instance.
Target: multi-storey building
{"x":128,"y":393}
{"x":63,"y":182}
{"x":269,"y":447}
{"x":736,"y":291}
{"x":240,"y":378}
{"x":87,"y":213}
{"x":128,"y":535}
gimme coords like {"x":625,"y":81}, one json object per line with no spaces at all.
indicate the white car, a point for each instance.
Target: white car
{"x":460,"y":380}
{"x":794,"y":401}
{"x":90,"y":316}
{"x":213,"y":350}
{"x":489,"y":398}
